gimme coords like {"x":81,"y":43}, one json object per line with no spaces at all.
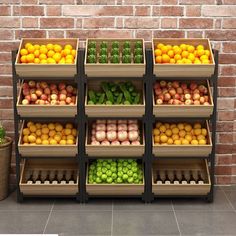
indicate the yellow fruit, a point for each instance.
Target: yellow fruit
{"x":52,"y":133}
{"x":191,"y":57}
{"x":158,"y":59}
{"x":179,"y":62}
{"x":44,"y":125}
{"x":156,"y":131}
{"x":200,"y":47}
{"x":23,"y":52}
{"x":43,"y":50}
{"x":162,"y":128}
{"x":160,"y":45}
{"x":183,"y":47}
{"x":177,"y":142}
{"x":204,"y":132}
{"x":170,"y":141}
{"x":168,"y":132}
{"x":30,"y":58}
{"x":182,"y":133}
{"x":74,"y":132}
{"x":58,"y":127}
{"x":197,"y":126}
{"x":172,"y":61}
{"x":164,"y":49}
{"x":26,"y":131}
{"x":171,"y":53}
{"x":62,"y":142}
{"x":191,"y":48}
{"x":197,"y":131}
{"x":25,"y":139}
{"x":188,"y":137}
{"x":49,"y":46}
{"x":197,"y":61}
{"x":73,"y":52}
{"x":32,"y":128}
{"x":45,"y":142}
{"x":157,"y":139}
{"x":180,"y":126}
{"x":187,"y":61}
{"x":42,"y":56}
{"x":52,"y":142}
{"x":177,"y":50}
{"x":51,"y":61}
{"x":57,"y":138}
{"x":202,"y":142}
{"x":185,"y":142}
{"x":158,"y":124}
{"x":51,"y":126}
{"x":69,"y":126}
{"x":45,"y":130}
{"x":69,"y":142}
{"x":200,"y":52}
{"x":57,"y":48}
{"x":68,"y":46}
{"x":30,"y":123}
{"x":38,"y":141}
{"x":23,"y":59}
{"x":31,"y":49}
{"x":175,"y":130}
{"x":37,"y":47}
{"x":69,"y":61}
{"x":200,"y":136}
{"x":57,"y":57}
{"x":38,"y":125}
{"x":31,"y":138}
{"x":194,"y":142}
{"x":69,"y":57}
{"x":167,"y":125}
{"x":163,"y":138}
{"x":207,"y":53}
{"x":158,"y":52}
{"x":173,"y":126}
{"x":44,"y":61}
{"x":28,"y":45}
{"x":70,"y":136}
{"x":38,"y":132}
{"x":169,"y":46}
{"x":185,"y":54}
{"x":177,"y":57}
{"x":188,"y":128}
{"x":204,"y":57}
{"x":34,"y":134}
{"x":36,"y":61}
{"x":205,"y":61}
{"x":44,"y":137}
{"x":175,"y":136}
{"x":67,"y":131}
{"x":50,"y":53}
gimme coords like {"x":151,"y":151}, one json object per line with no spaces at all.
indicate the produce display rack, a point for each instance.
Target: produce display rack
{"x":148,"y":120}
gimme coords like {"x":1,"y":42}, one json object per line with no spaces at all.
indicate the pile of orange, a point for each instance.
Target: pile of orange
{"x":182,"y":54}
{"x":47,"y":54}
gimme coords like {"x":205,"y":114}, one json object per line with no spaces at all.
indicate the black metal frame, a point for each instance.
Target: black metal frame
{"x":148,"y":120}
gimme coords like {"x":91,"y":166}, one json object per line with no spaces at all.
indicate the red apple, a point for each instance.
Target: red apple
{"x":62,"y":97}
{"x":62,"y":103}
{"x":206,"y":98}
{"x":44,"y":97}
{"x":172,"y":92}
{"x":169,"y":85}
{"x":63,"y":91}
{"x":74,"y":91}
{"x":39,"y":92}
{"x":167,"y":97}
{"x":28,"y":97}
{"x":187,"y":96}
{"x":157,"y":85}
{"x":158,"y":91}
{"x":196,"y":102}
{"x":26,"y":91}
{"x":202,"y":100}
{"x":188,"y":102}
{"x":54,"y":97}
{"x":37,"y":101}
{"x":61,"y":86}
{"x":201,"y":88}
{"x":54,"y":91}
{"x":196,"y":91}
{"x":33,"y":97}
{"x":69,"y":94}
{"x":163,"y":83}
{"x":184,"y":86}
{"x":175,"y":84}
{"x":171,"y":101}
{"x":53,"y":86}
{"x":47,"y":91}
{"x":73,"y":99}
{"x":182,"y":97}
{"x":193,"y":85}
{"x":47,"y":102}
{"x":72,"y":104}
{"x":176,"y":102}
{"x":196,"y":96}
{"x":164,"y":90}
{"x":206,"y":103}
{"x":25,"y":102}
{"x":68,"y":100}
{"x":179,"y":90}
{"x":161,"y":96}
{"x":41,"y":102}
{"x":186,"y":91}
{"x":32,"y":84}
{"x":38,"y":85}
{"x":159,"y":101}
{"x":25,"y":85}
{"x":33,"y":90}
{"x":176,"y":96}
{"x":69,"y":88}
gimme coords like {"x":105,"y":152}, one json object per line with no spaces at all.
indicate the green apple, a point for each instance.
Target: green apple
{"x":109,"y":173}
{"x":104,"y":170}
{"x":98,"y":180}
{"x":119,"y":180}
{"x":108,"y":166}
{"x":125,"y":163}
{"x":120,"y":174}
{"x":125,"y":177}
{"x":104,"y":177}
{"x":109,"y":180}
{"x":120,"y":168}
{"x":130,"y":179}
{"x":125,"y":170}
{"x":134,"y":169}
{"x":135,"y":176}
{"x":130,"y":173}
{"x":99,"y":173}
{"x":113,"y":169}
{"x":114,"y":176}
{"x":129,"y":166}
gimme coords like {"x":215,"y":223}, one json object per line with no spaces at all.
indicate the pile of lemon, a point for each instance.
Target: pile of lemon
{"x":49,"y":134}
{"x":47,"y":54}
{"x":179,"y":134}
{"x":182,"y":54}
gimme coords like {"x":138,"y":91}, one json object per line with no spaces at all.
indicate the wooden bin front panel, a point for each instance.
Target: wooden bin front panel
{"x":181,"y":189}
{"x":45,"y":110}
{"x":114,"y":110}
{"x":48,"y":189}
{"x":47,"y":70}
{"x":113,"y":150}
{"x":115,"y":70}
{"x":183,"y":70}
{"x":46,"y":150}
{"x":166,"y":110}
{"x":114,"y":189}
{"x":184,"y":150}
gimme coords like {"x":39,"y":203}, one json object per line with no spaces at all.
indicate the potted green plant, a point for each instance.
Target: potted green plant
{"x":5,"y":162}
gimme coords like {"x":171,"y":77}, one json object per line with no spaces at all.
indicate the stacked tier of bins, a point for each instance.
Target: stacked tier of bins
{"x":97,"y":73}
{"x":182,"y":169}
{"x":47,"y":169}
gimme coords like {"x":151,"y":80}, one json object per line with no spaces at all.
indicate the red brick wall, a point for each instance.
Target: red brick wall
{"x":215,"y":19}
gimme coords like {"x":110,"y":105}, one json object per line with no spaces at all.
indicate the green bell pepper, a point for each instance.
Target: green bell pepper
{"x":103,"y":44}
{"x":126,"y":59}
{"x":115,"y":51}
{"x":92,"y":51}
{"x":92,"y":44}
{"x":126,"y":44}
{"x":103,"y":59}
{"x":138,"y":51}
{"x":115,"y":59}
{"x":138,"y":44}
{"x":103,"y":51}
{"x":138,"y":59}
{"x":115,"y":44}
{"x":126,"y":51}
{"x":92,"y":59}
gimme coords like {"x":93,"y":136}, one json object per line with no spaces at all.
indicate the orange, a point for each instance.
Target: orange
{"x":183,"y":47}
{"x":188,"y":128}
{"x":43,"y":50}
{"x":27,"y":45}
{"x":168,"y":132}
{"x":194,"y":142}
{"x":175,"y":47}
{"x":207,"y":52}
{"x":36,"y":60}
{"x":69,"y":61}
{"x":178,"y":50}
{"x":69,"y":126}
{"x":202,"y":142}
{"x":43,"y":61}
{"x":164,"y":49}
{"x":69,"y":142}
{"x":30,"y":57}
{"x":52,"y":133}
{"x":45,"y":130}
{"x":197,"y":61}
{"x":170,"y":141}
{"x":62,"y":142}
{"x":204,"y":132}
{"x":184,"y":142}
{"x":165,"y":58}
{"x":158,"y":52}
{"x":50,"y":53}
{"x":187,"y":61}
{"x":57,"y":57}
{"x":162,"y":128}
{"x":156,"y":131}
{"x":175,"y":130}
{"x":73,"y":52}
{"x":179,"y":62}
{"x":69,"y":57}
{"x":42,"y":56}
{"x":169,"y":47}
{"x":32,"y":128}
{"x":182,"y":133}
{"x":159,"y":59}
{"x":49,"y":46}
{"x":180,"y":126}
{"x":167,"y":125}
{"x":44,"y":137}
{"x":200,"y":52}
{"x":191,"y":48}
{"x":36,"y":53}
{"x":171,"y":53}
{"x":51,"y":61}
{"x":57,"y":48}
{"x":175,"y":136}
{"x":188,"y":137}
{"x":163,"y":138}
{"x":185,"y":54}
{"x":38,"y":141}
{"x":66,"y":52}
{"x":172,"y":61}
{"x":45,"y":142}
{"x":68,"y":46}
{"x":177,"y":57}
{"x":200,"y":47}
{"x":157,"y":139}
{"x":36,"y":47}
{"x":177,"y":142}
{"x":23,"y":59}
{"x":31,"y":49}
{"x":23,"y":52}
{"x":191,"y":57}
{"x":53,"y":142}
{"x":160,"y":45}
{"x":204,"y":57}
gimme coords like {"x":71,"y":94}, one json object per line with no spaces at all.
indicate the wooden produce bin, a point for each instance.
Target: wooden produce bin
{"x":115,"y":70}
{"x":114,"y":150}
{"x":33,"y":110}
{"x":114,"y":189}
{"x":183,"y":70}
{"x":47,"y":70}
{"x":114,"y":110}
{"x":181,"y":189}
{"x":184,"y":150}
{"x":46,"y":150}
{"x":169,"y":110}
{"x":48,"y":189}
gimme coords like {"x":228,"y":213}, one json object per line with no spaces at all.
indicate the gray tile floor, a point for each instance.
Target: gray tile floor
{"x":121,"y":217}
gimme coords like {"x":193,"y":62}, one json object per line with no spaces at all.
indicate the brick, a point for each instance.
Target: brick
{"x":229,"y":2}
{"x":229,"y":23}
{"x":6,"y":114}
{"x":171,"y":11}
{"x":217,"y":23}
{"x":5,"y":80}
{"x":156,"y":10}
{"x":6,"y":91}
{"x":169,"y":2}
{"x":28,"y":11}
{"x":30,"y":34}
{"x":47,"y":23}
{"x":9,"y":22}
{"x":5,"y":10}
{"x":233,"y":170}
{"x":145,"y":23}
{"x":168,"y":23}
{"x":227,"y":58}
{"x":224,"y":148}
{"x":142,"y":10}
{"x":228,"y":70}
{"x":141,"y":2}
{"x":5,"y":58}
{"x":146,"y":34}
{"x":223,"y":170}
{"x":227,"y":81}
{"x":57,"y":2}
{"x":226,"y":115}
{"x":193,"y":11}
{"x":6,"y":34}
{"x":168,"y":34}
{"x":195,"y":23}
{"x":10,"y":1}
{"x":234,"y":159}
{"x":119,"y":22}
{"x":27,"y":2}
{"x":225,"y":103}
{"x":5,"y":70}
{"x":98,"y":2}
{"x":97,"y":10}
{"x":227,"y":92}
{"x":56,"y":33}
{"x":53,"y":10}
{"x":196,"y":2}
{"x":78,"y":23}
{"x":8,"y":46}
{"x":229,"y":47}
{"x":107,"y":22}
{"x":224,"y":159}
{"x":226,"y":138}
{"x":218,"y":10}
{"x":221,"y":35}
{"x":223,"y":179}
{"x":30,"y":22}
{"x":6,"y":103}
{"x":224,"y":126}
{"x":195,"y":34}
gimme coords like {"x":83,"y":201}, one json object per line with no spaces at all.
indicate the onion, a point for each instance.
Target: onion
{"x":122,"y":127}
{"x":115,"y":142}
{"x":133,"y":135}
{"x":111,"y":127}
{"x":95,"y":143}
{"x":105,"y":142}
{"x":125,"y":143}
{"x":111,"y":135}
{"x":133,"y":127}
{"x":100,"y":135}
{"x":135,"y":143}
{"x":101,"y":127}
{"x":122,"y":135}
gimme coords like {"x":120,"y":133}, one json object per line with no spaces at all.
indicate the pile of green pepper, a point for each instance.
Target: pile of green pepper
{"x":115,"y":93}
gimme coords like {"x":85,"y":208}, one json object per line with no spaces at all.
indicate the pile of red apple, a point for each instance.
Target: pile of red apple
{"x":43,"y":93}
{"x":115,"y":132}
{"x":180,"y":93}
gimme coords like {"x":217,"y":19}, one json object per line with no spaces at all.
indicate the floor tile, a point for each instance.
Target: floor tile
{"x":135,"y":204}
{"x":206,"y":223}
{"x":231,"y":195}
{"x":228,"y":188}
{"x":144,"y":223}
{"x":23,"y":222}
{"x":92,"y":205}
{"x":220,"y":203}
{"x":29,"y":204}
{"x":80,"y":223}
